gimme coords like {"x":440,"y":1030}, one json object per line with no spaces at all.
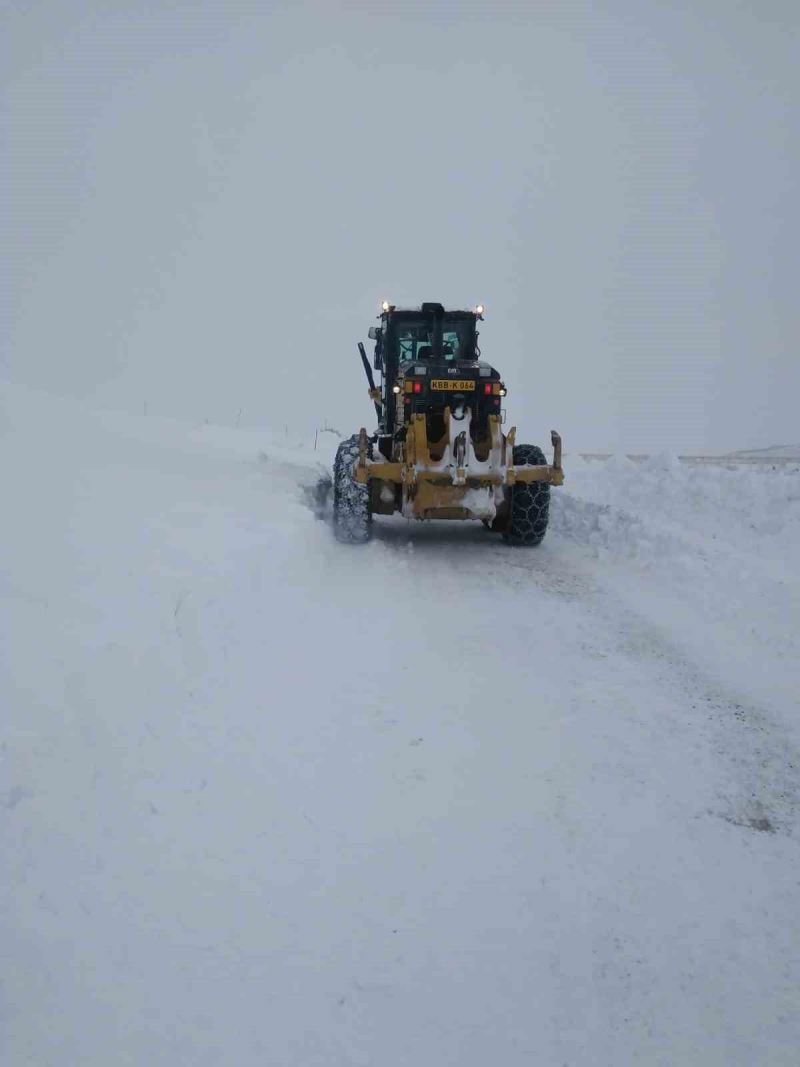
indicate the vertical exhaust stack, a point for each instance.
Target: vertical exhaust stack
{"x":374,"y":393}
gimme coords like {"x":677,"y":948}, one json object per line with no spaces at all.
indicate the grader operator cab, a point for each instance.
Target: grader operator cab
{"x":439,"y":451}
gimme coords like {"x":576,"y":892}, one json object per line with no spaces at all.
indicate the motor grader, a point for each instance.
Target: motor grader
{"x":439,"y":451}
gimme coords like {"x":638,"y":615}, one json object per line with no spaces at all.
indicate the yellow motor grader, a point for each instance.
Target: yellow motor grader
{"x":439,"y":451}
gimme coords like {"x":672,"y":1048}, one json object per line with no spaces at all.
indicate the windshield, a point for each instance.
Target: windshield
{"x":413,"y":338}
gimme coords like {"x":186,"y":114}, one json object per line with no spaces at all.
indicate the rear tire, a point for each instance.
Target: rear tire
{"x":352,"y":518}
{"x":530,"y":501}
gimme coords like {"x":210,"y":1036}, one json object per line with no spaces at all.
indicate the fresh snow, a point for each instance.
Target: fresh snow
{"x":268,"y":799}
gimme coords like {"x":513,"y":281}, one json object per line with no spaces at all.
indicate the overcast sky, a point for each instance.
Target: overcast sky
{"x":202,"y":205}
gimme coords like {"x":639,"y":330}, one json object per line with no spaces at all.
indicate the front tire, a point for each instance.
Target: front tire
{"x":530,"y":501}
{"x":352,"y":518}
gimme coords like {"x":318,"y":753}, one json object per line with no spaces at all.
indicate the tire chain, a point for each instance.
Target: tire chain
{"x":530,"y":501}
{"x":352,"y":518}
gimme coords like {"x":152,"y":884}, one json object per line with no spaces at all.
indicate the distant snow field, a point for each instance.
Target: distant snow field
{"x":789,"y":452}
{"x":268,"y":799}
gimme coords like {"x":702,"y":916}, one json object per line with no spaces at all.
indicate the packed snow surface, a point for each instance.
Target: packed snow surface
{"x":268,"y":799}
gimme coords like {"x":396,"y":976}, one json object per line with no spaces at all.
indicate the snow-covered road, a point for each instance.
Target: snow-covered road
{"x":268,"y":799}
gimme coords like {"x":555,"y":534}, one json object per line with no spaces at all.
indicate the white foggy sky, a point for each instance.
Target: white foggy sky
{"x":202,"y":204}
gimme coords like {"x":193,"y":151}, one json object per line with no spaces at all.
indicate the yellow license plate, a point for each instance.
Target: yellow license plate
{"x":453,"y":386}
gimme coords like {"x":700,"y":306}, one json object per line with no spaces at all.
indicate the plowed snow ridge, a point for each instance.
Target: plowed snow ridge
{"x":271,"y":799}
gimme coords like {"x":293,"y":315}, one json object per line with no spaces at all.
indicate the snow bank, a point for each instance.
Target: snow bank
{"x":712,"y":552}
{"x":662,"y":508}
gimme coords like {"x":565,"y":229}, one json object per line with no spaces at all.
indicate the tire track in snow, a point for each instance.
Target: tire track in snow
{"x":763,"y":762}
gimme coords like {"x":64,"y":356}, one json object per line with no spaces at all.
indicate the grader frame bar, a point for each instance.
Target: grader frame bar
{"x":439,"y":478}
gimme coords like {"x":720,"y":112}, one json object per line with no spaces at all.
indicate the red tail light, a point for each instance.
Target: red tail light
{"x":488,"y":388}
{"x":417,"y":387}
